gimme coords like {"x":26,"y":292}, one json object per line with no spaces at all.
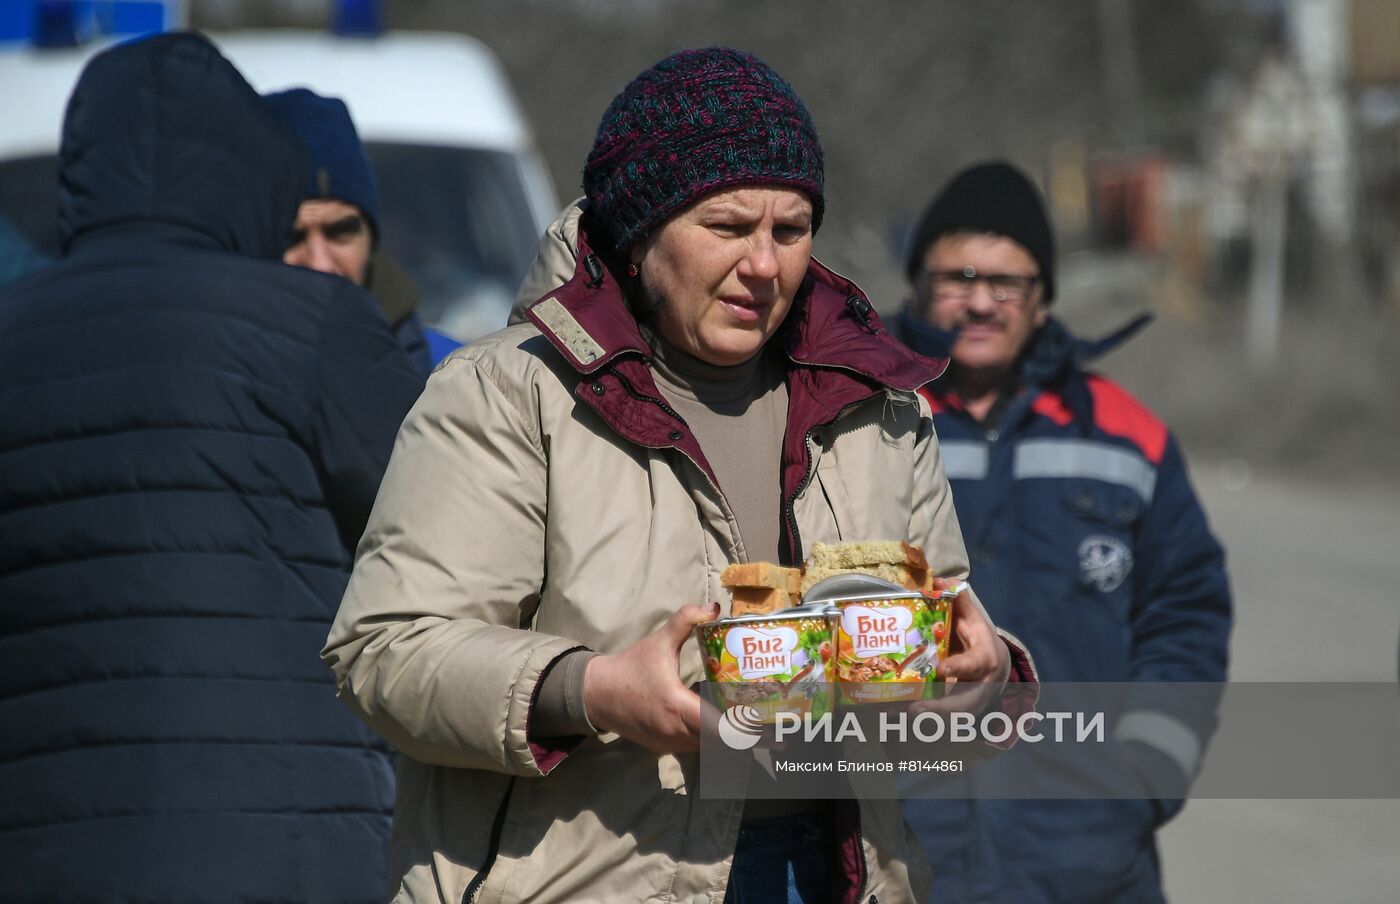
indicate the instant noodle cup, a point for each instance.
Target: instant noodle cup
{"x":776,"y":662}
{"x":889,"y":640}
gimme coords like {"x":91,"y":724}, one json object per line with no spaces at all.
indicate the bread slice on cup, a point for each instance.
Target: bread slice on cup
{"x":892,"y":560}
{"x":761,"y":588}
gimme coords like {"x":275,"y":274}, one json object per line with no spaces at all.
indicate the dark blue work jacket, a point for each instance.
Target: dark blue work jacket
{"x":1087,"y":542}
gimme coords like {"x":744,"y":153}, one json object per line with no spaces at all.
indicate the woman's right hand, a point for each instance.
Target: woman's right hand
{"x":638,"y":693}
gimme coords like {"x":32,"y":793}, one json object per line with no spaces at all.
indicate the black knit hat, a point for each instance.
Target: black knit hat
{"x":992,"y":197}
{"x":695,"y":122}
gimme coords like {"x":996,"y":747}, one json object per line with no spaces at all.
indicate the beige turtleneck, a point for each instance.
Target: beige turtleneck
{"x":738,"y":415}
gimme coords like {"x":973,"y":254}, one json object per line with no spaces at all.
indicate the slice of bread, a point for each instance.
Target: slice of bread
{"x":762,"y":574}
{"x":892,"y":560}
{"x":760,"y":588}
{"x":759,"y":600}
{"x":849,"y":556}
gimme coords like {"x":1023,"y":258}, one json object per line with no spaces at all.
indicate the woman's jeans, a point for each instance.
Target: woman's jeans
{"x":782,"y":860}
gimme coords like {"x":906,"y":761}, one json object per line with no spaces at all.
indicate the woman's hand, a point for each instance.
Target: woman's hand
{"x":638,"y":693}
{"x":978,"y":661}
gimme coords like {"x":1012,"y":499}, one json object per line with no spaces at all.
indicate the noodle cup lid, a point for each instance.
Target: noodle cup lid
{"x":850,"y":588}
{"x":792,"y":612}
{"x":854,"y":587}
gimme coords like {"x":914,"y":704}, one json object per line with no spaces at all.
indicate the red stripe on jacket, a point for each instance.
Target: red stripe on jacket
{"x":933,"y":401}
{"x":1117,"y":413}
{"x":1052,"y":406}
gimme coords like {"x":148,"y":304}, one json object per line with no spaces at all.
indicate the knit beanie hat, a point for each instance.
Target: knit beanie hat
{"x":994,"y":197}
{"x":339,"y":167}
{"x":697,"y":121}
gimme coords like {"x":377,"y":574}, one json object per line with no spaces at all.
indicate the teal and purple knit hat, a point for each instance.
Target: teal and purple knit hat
{"x":698,"y":121}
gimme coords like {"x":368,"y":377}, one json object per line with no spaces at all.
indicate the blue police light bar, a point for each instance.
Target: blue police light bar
{"x":62,"y":23}
{"x":137,"y":17}
{"x":358,"y":19}
{"x":70,"y":23}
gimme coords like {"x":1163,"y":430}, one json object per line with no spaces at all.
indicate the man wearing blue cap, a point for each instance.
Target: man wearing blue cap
{"x":337,"y":225}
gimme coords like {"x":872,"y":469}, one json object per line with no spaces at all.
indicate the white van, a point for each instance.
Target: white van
{"x":464,"y":195}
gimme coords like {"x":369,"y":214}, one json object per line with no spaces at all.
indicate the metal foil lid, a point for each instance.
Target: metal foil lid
{"x":803,"y":611}
{"x":844,"y":588}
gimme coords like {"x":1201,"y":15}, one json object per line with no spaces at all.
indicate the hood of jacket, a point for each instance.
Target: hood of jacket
{"x":1055,"y":352}
{"x":166,"y":132}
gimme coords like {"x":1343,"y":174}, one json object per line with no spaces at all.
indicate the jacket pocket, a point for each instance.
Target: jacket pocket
{"x":1101,"y":521}
{"x":1087,"y":850}
{"x":838,"y":500}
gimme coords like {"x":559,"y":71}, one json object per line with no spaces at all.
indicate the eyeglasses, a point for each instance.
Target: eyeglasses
{"x":950,"y":285}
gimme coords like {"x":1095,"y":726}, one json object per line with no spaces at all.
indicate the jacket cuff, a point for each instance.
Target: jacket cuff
{"x":558,"y":710}
{"x":531,"y":756}
{"x":1163,"y":783}
{"x":1022,"y":665}
{"x":551,"y":749}
{"x":1022,"y":689}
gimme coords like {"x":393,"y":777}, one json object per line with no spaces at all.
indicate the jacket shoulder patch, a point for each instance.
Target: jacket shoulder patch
{"x":1118,"y":413}
{"x":575,"y":338}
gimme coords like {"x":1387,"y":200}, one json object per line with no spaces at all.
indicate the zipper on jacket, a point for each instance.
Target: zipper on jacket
{"x":643,"y":397}
{"x":664,"y":406}
{"x":492,"y":848}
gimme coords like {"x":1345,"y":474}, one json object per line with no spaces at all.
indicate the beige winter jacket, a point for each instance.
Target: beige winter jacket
{"x":541,"y":499}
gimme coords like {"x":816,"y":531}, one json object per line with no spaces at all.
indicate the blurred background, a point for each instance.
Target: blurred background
{"x":1232,"y":166}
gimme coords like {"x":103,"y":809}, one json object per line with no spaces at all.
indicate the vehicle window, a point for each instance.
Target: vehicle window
{"x":459,"y":222}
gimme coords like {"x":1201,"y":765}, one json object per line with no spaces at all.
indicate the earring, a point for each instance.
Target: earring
{"x":632,"y":270}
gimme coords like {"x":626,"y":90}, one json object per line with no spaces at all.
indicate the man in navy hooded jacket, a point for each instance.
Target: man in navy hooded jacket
{"x":1085,"y":539}
{"x":191,"y":438}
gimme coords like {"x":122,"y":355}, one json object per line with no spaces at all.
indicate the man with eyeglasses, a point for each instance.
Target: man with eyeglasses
{"x":1085,"y":538}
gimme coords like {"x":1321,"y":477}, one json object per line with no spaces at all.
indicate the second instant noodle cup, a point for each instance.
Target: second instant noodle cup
{"x":889,"y":640}
{"x":778,"y":662}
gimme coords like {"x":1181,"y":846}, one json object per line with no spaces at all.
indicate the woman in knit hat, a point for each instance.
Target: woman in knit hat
{"x":688,"y":388}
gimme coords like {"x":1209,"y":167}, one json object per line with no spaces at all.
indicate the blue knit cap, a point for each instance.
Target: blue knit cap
{"x":339,"y":167}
